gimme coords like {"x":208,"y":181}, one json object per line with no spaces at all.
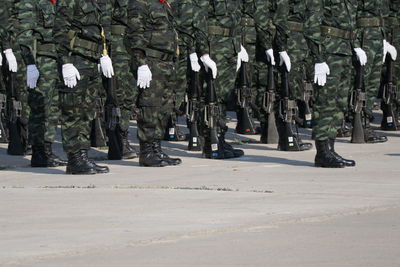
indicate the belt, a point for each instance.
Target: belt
{"x":295,"y":26}
{"x":369,"y":22}
{"x":335,"y":32}
{"x":118,"y":29}
{"x":45,"y":48}
{"x":248,"y":22}
{"x":217,"y":30}
{"x":82,"y":43}
{"x":392,"y":21}
{"x":158,"y":54}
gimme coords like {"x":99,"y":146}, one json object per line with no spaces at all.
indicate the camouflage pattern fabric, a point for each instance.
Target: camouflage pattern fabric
{"x":36,"y":27}
{"x":78,"y":103}
{"x":151,"y":39}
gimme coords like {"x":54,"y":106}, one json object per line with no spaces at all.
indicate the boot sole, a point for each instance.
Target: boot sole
{"x":81,"y":173}
{"x":318,"y":165}
{"x":158,"y":165}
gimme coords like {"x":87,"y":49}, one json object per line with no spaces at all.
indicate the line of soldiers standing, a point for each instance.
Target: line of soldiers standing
{"x":218,"y":54}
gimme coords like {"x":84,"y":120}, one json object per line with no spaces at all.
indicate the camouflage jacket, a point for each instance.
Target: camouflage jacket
{"x":226,"y":14}
{"x":77,"y":28}
{"x":35,"y":29}
{"x":302,"y":16}
{"x":191,"y":24}
{"x":371,"y":9}
{"x":150,"y":30}
{"x":340,"y":15}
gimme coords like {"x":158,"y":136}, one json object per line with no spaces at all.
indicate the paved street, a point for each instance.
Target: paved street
{"x":269,"y":208}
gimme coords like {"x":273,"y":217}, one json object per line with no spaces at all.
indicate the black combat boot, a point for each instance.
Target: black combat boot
{"x":148,"y":157}
{"x":227,"y":147}
{"x":347,"y":162}
{"x":42,"y":156}
{"x":158,"y":150}
{"x":371,"y":136}
{"x":78,"y":163}
{"x":218,"y":152}
{"x":128,"y":151}
{"x":324,"y":157}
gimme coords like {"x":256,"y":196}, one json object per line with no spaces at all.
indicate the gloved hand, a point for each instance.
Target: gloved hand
{"x":194,"y":62}
{"x":106,"y":66}
{"x":270,"y":56}
{"x":242,"y":56}
{"x":32,"y":76}
{"x":321,"y":70}
{"x":12,"y":61}
{"x":70,"y":74}
{"x":144,"y":76}
{"x":284,"y":58}
{"x":209,"y":63}
{"x":361,"y":56}
{"x":388,"y":48}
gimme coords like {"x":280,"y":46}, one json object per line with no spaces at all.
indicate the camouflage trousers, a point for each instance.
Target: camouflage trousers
{"x":373,"y":69}
{"x":44,"y":103}
{"x":331,"y":100}
{"x":78,"y":106}
{"x":125,"y":90}
{"x":156,"y":103}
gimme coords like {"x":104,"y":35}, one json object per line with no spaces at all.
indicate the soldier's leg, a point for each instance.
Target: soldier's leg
{"x":154,"y":104}
{"x":77,"y":105}
{"x":44,"y":115}
{"x":330,"y":101}
{"x":372,"y":77}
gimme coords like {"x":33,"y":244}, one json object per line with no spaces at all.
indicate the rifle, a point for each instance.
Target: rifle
{"x":287,"y":111}
{"x":269,"y":130}
{"x":357,"y":105}
{"x":192,"y":112}
{"x":245,"y":124}
{"x":211,"y":115}
{"x":97,"y":137}
{"x":16,"y":127}
{"x":308,"y":91}
{"x":389,"y":98}
{"x":3,"y":133}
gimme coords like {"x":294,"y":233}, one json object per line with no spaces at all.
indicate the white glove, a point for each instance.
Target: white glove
{"x":242,"y":56}
{"x":388,"y":48}
{"x":106,"y":66}
{"x":209,"y":63}
{"x":194,"y":62}
{"x":144,"y":76}
{"x":12,"y":61}
{"x":32,"y":76}
{"x":361,"y":56}
{"x":284,"y":58}
{"x":1,"y":60}
{"x":321,"y":70}
{"x":270,"y":56}
{"x":70,"y":74}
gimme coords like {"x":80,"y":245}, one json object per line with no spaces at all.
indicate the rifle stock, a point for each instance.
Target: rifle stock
{"x":211,"y":116}
{"x":97,"y":136}
{"x":192,"y":112}
{"x":357,"y":102}
{"x":3,"y":133}
{"x":389,"y":97}
{"x":245,"y":124}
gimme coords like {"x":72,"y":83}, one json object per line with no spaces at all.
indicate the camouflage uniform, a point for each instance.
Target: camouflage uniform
{"x":338,"y":25}
{"x":77,"y":30}
{"x":371,"y":34}
{"x":151,"y":39}
{"x":36,"y":40}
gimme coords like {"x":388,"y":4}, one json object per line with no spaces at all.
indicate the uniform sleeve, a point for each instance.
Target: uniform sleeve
{"x":25,"y":33}
{"x":4,"y":22}
{"x":312,"y":29}
{"x":280,"y":22}
{"x":135,"y":39}
{"x":62,"y":25}
{"x":263,"y":19}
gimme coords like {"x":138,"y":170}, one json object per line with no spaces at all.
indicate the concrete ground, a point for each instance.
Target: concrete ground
{"x":268,"y":208}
